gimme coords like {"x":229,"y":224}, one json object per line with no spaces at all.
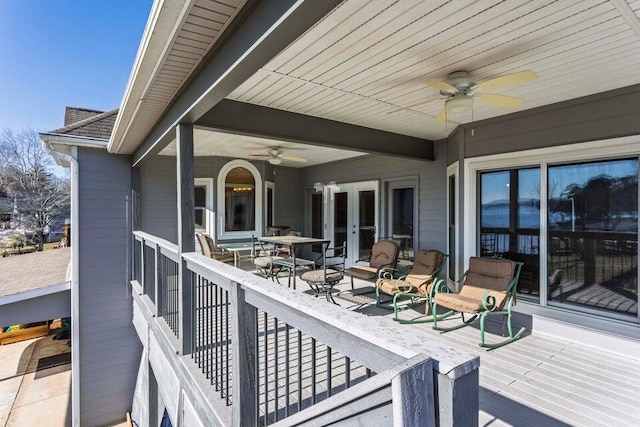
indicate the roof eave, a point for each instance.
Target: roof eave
{"x":164,"y":20}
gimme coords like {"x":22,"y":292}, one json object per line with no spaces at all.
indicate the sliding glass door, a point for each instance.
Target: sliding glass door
{"x":593,"y":235}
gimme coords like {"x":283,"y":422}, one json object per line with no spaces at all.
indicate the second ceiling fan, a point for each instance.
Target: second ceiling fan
{"x":460,"y":91}
{"x":275,"y":156}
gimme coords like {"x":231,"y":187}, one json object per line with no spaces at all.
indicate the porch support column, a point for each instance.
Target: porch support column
{"x":186,"y":231}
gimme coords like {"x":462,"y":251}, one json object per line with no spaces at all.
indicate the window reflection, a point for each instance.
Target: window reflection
{"x":593,"y":235}
{"x":240,"y":199}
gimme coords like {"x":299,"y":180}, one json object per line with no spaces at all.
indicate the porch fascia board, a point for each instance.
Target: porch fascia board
{"x":265,"y":32}
{"x":233,"y":117}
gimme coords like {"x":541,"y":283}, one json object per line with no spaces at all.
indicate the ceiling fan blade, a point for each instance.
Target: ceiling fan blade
{"x":410,"y":106}
{"x":504,"y":81}
{"x":293,"y":158}
{"x":442,"y":116}
{"x":498,"y":100}
{"x":261,"y":156}
{"x":441,"y":85}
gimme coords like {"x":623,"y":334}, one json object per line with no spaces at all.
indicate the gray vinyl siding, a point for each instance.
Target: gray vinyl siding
{"x":109,"y":347}
{"x":158,"y":198}
{"x":431,"y":187}
{"x":609,"y":114}
{"x":287,"y":197}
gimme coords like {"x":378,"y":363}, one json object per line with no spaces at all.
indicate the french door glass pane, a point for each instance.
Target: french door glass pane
{"x":593,"y":235}
{"x":403,"y":221}
{"x":452,"y":227}
{"x":366,"y":222}
{"x":340,"y":217}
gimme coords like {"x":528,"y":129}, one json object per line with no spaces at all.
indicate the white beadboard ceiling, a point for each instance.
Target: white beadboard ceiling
{"x":367,"y":58}
{"x":208,"y":143}
{"x":190,"y":28}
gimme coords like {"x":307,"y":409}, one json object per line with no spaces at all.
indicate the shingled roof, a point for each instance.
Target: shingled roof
{"x":91,"y":123}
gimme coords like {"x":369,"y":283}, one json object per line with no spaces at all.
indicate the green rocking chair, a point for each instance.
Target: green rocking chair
{"x":488,"y":289}
{"x":417,"y":285}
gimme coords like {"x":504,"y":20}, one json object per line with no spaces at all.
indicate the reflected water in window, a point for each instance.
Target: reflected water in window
{"x":593,"y":235}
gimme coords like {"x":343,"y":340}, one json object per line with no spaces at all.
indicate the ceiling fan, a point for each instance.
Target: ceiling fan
{"x":460,"y":91}
{"x":275,"y":156}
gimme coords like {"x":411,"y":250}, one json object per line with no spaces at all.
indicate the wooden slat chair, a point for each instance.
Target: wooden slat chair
{"x":488,"y":289}
{"x":416,"y":285}
{"x":209,"y":249}
{"x":384,"y":254}
{"x":322,"y":280}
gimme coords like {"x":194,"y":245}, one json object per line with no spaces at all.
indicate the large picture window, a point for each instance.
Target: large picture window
{"x":239,"y":200}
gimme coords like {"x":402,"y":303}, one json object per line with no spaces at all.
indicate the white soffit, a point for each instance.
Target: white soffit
{"x":177,"y":37}
{"x":210,"y":143}
{"x":367,"y":58}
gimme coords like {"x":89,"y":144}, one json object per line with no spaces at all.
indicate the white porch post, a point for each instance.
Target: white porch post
{"x":186,"y":231}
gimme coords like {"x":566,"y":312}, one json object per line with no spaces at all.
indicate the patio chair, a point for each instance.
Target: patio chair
{"x":416,"y":285}
{"x":209,"y":249}
{"x":384,"y":254}
{"x":322,"y":280}
{"x":488,"y":289}
{"x":263,"y":260}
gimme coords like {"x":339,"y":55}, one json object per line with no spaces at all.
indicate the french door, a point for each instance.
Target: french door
{"x":352,"y":213}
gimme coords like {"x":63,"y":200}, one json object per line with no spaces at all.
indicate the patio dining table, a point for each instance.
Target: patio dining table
{"x":236,"y":248}
{"x":293,"y":241}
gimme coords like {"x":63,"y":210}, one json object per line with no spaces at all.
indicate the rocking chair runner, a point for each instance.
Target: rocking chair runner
{"x":488,"y":289}
{"x":416,"y":285}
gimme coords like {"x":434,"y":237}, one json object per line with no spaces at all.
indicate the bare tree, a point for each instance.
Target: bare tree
{"x":41,"y":199}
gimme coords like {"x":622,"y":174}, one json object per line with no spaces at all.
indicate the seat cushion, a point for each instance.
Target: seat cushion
{"x":469,"y":299}
{"x":384,"y":252}
{"x":362,"y":272}
{"x":264,"y":261}
{"x":318,"y":276}
{"x":393,"y":286}
{"x":489,"y":273}
{"x":222,"y":256}
{"x":427,"y":262}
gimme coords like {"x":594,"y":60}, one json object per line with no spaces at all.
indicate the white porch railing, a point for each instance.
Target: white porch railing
{"x":267,"y":354}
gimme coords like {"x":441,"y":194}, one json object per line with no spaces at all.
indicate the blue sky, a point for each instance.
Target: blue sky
{"x":55,"y":53}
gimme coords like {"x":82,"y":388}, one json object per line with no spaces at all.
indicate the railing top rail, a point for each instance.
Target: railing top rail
{"x":382,"y":336}
{"x":164,"y":244}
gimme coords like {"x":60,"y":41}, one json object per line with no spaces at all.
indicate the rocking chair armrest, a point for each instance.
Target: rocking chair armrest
{"x":488,"y":301}
{"x":439,"y":286}
{"x":387,"y":273}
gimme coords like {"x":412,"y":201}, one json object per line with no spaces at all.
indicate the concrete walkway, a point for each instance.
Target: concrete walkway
{"x":32,"y":396}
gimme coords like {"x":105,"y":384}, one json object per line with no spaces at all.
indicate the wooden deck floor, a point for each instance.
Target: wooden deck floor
{"x":537,"y":380}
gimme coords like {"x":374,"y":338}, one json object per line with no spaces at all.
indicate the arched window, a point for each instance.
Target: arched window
{"x":239,"y":200}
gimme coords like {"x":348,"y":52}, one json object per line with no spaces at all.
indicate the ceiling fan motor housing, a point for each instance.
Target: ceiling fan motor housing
{"x":461,"y":81}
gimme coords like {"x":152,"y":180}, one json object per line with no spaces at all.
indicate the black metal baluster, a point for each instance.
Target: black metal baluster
{"x":286,"y":370}
{"x":227,"y":340}
{"x":266,"y":371}
{"x":275,"y":359}
{"x":256,"y":369}
{"x":347,"y":372}
{"x":329,"y":371}
{"x":313,"y":371}
{"x":299,"y":371}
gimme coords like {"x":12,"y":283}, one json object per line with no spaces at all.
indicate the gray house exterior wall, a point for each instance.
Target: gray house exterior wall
{"x":109,"y":347}
{"x":158,"y":214}
{"x":431,"y":187}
